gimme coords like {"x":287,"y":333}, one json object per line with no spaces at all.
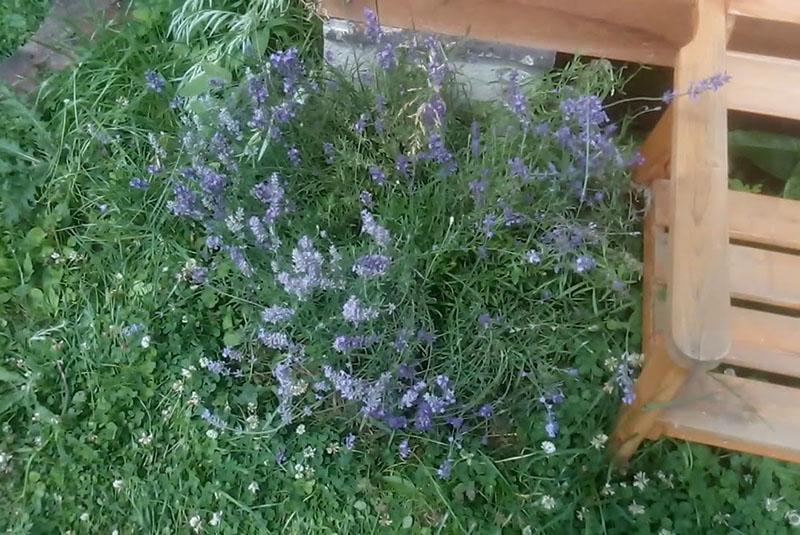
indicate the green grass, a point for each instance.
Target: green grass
{"x":103,"y":430}
{"x":18,"y":20}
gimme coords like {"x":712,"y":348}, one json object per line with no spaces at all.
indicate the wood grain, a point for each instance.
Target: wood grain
{"x":739,"y":414}
{"x":698,"y":287}
{"x":763,"y":84}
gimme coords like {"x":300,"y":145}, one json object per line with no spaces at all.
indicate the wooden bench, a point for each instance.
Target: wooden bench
{"x":721,"y":281}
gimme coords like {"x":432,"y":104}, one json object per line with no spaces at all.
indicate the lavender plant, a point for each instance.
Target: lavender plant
{"x":403,"y":249}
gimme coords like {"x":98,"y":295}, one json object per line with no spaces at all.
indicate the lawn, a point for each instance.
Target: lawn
{"x":244,"y":292}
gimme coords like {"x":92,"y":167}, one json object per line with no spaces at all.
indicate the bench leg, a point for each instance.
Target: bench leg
{"x":658,"y":384}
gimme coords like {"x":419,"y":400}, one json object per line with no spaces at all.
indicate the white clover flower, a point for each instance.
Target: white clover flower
{"x":527,"y":530}
{"x":114,"y":531}
{"x":252,"y":421}
{"x":299,"y":468}
{"x":203,"y":362}
{"x":599,"y":441}
{"x":145,"y":439}
{"x":548,"y":447}
{"x":309,"y":452}
{"x":118,"y":484}
{"x":665,"y":531}
{"x":177,"y":386}
{"x":216,"y":518}
{"x":793,"y":518}
{"x":84,"y":517}
{"x":145,"y":342}
{"x":547,"y":502}
{"x":771,"y":505}
{"x":196,"y":523}
{"x":300,"y":430}
{"x":253,"y":487}
{"x":636,"y":509}
{"x":212,"y":434}
{"x":186,"y":373}
{"x":607,"y":490}
{"x":194,"y":399}
{"x":640,"y":480}
{"x":333,"y":448}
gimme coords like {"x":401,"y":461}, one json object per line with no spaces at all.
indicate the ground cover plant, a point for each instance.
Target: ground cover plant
{"x":250,"y":293}
{"x":18,"y":20}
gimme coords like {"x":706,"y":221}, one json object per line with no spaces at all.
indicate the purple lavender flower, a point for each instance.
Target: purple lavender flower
{"x":294,"y":155}
{"x":585,"y":110}
{"x":274,"y":340}
{"x":488,"y":225}
{"x":350,"y":441}
{"x":276,"y":314}
{"x":519,"y":169}
{"x":155,"y":82}
{"x":240,"y":260}
{"x":624,"y":380}
{"x":485,"y":320}
{"x":366,"y":199}
{"x":259,"y":232}
{"x":185,"y":203}
{"x":439,"y":154}
{"x":273,"y":195}
{"x":330,"y":153}
{"x":371,"y":266}
{"x":584,"y":263}
{"x":214,"y":243}
{"x":404,"y":449}
{"x":218,"y":367}
{"x":345,"y":343}
{"x":223,"y":151}
{"x":433,"y":112}
{"x":283,"y":374}
{"x":475,"y":139}
{"x":373,"y":229}
{"x":154,"y":169}
{"x":378,"y":176}
{"x":444,"y":470}
{"x":437,"y":64}
{"x":486,"y":411}
{"x":712,"y":83}
{"x":308,"y":271}
{"x":361,"y":125}
{"x":401,"y":344}
{"x":372,"y":28}
{"x":478,"y":189}
{"x":231,"y":354}
{"x":387,"y":56}
{"x":229,"y":124}
{"x":355,"y":312}
{"x":288,"y":64}
{"x":256,"y":88}
{"x":139,"y":183}
{"x":426,"y":337}
{"x":533,"y":257}
{"x":213,"y":419}
{"x":423,"y":417}
{"x":283,"y":113}
{"x":132,"y":330}
{"x":551,"y":426}
{"x":516,"y":101}
{"x":512,"y":218}
{"x":402,"y":164}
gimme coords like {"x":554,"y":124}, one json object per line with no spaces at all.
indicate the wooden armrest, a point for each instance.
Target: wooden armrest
{"x":699,"y":280}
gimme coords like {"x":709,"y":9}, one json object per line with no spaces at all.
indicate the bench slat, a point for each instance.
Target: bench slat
{"x":756,"y":275}
{"x":775,"y":10}
{"x":736,"y":413}
{"x":764,"y":84}
{"x":766,"y":277}
{"x":753,"y":218}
